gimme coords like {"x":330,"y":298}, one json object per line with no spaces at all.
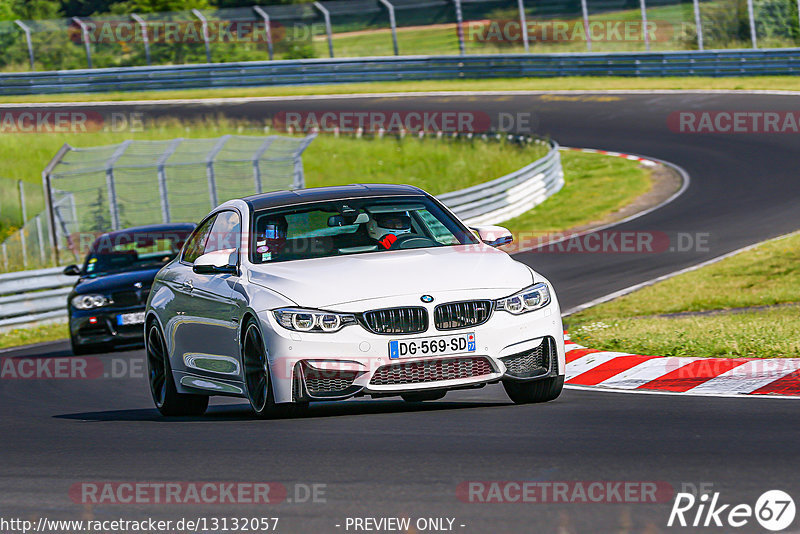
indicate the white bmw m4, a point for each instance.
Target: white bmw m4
{"x":326,"y":294}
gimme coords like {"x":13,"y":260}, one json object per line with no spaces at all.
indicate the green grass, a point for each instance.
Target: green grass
{"x":572,"y":83}
{"x":767,"y":275}
{"x":39,"y":334}
{"x":435,"y":165}
{"x":599,"y":185}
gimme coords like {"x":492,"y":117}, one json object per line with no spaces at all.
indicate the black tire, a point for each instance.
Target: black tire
{"x":162,"y":385}
{"x":257,"y":381}
{"x":423,"y":396}
{"x":534,"y":391}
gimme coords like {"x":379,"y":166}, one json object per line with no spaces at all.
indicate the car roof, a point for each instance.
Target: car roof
{"x":154,"y":228}
{"x":277,"y":199}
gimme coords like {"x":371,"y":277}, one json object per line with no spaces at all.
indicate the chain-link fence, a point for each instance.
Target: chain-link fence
{"x":362,"y":28}
{"x":23,"y":240}
{"x":97,"y":189}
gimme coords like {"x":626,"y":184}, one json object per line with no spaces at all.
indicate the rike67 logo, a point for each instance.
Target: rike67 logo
{"x":774,"y":510}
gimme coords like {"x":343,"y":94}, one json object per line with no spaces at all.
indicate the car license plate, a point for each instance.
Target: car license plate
{"x":442,"y":345}
{"x":130,"y":318}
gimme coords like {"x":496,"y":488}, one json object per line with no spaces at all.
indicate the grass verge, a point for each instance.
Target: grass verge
{"x":572,"y":83}
{"x":38,"y":334}
{"x":715,"y":306}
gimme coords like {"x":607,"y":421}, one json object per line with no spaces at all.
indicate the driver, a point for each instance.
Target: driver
{"x":386,"y":227}
{"x":272,"y":237}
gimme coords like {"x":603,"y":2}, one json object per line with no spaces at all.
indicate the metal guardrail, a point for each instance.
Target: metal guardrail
{"x":308,"y":71}
{"x":32,"y":296}
{"x":28,"y":297}
{"x":508,"y":196}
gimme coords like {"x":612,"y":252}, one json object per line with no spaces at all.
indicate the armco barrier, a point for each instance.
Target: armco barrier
{"x":393,"y":68}
{"x":508,"y":196}
{"x":32,"y":296}
{"x":28,"y":297}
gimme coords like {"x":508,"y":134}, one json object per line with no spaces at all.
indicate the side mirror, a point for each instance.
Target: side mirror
{"x":494,"y":236}
{"x":72,"y":270}
{"x":217,"y":262}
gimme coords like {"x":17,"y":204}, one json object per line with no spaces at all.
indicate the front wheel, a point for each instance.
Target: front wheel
{"x":534,"y":391}
{"x":162,"y":384}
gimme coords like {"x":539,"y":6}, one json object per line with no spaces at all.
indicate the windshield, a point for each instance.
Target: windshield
{"x":353,"y":226}
{"x":133,"y":251}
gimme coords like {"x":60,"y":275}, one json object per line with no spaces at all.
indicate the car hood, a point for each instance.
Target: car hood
{"x":326,"y":282}
{"x":107,"y":282}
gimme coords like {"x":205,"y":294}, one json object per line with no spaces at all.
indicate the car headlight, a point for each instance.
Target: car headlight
{"x":531,"y":298}
{"x":87,"y":302}
{"x":302,"y":320}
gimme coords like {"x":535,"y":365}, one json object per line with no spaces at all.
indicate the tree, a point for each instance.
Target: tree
{"x":98,"y":216}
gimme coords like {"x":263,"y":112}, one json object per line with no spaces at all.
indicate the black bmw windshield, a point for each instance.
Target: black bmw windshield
{"x":353,"y":226}
{"x":132,"y":251}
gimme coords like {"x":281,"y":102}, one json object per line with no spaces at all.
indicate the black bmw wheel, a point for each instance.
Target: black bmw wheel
{"x":162,"y":385}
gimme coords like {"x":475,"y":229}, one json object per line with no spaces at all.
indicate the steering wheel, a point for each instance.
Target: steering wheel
{"x":407,"y":241}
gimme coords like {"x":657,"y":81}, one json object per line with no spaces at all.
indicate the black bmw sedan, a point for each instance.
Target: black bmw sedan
{"x":106,"y":306}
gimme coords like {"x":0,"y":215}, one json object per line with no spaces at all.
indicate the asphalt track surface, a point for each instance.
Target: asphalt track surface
{"x":386,"y":458}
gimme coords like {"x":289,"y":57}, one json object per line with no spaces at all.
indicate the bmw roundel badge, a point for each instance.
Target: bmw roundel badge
{"x":426,"y":298}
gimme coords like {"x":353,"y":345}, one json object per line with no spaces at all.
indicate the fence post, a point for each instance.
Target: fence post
{"x":145,"y":37}
{"x":523,"y":25}
{"x":752,"y":17}
{"x":393,"y":24}
{"x":585,"y":13}
{"x":162,"y":179}
{"x":40,"y":237}
{"x":23,"y":211}
{"x":263,"y":14}
{"x":113,"y":206}
{"x":204,"y":25}
{"x":699,"y":24}
{"x":327,"y":16}
{"x":27,"y":31}
{"x":48,"y":198}
{"x":643,"y":5}
{"x":256,"y":167}
{"x":85,"y":33}
{"x":299,"y":181}
{"x":459,"y":26}
{"x":212,"y":179}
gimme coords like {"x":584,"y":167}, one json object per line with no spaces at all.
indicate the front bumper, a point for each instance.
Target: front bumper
{"x":355,"y":361}
{"x":99,"y":327}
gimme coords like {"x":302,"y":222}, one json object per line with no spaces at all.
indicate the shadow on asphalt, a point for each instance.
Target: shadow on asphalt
{"x":241,"y":412}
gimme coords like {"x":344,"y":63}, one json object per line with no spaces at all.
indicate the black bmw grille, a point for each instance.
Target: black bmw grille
{"x":130,"y":298}
{"x":532,"y":362}
{"x":462,"y":314}
{"x":412,"y":320}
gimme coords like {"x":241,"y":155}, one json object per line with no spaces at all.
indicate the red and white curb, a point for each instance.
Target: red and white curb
{"x":691,"y":376}
{"x":644,"y":161}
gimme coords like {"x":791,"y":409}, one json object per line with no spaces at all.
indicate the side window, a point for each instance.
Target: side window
{"x":226,"y":233}
{"x":197,"y":243}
